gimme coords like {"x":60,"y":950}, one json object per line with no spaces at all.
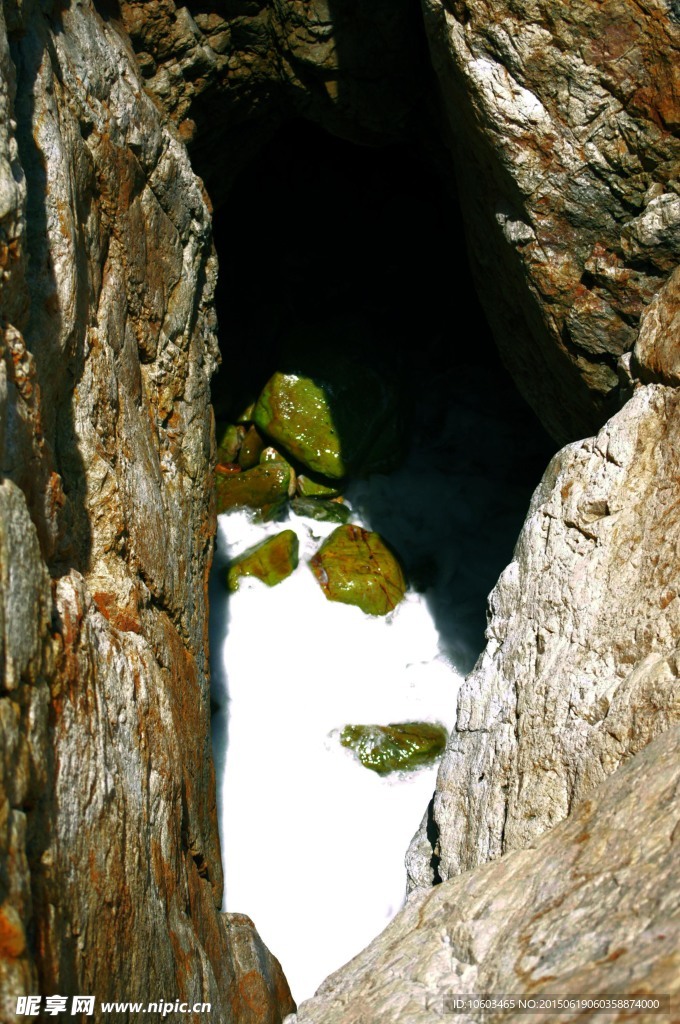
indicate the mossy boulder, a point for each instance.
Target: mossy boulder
{"x":324,"y":406}
{"x":355,"y":566}
{"x":271,"y":561}
{"x":262,"y":487}
{"x":396,"y":747}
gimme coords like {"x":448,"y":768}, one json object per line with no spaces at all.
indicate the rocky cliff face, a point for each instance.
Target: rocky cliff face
{"x":111,"y":874}
{"x":560,"y":125}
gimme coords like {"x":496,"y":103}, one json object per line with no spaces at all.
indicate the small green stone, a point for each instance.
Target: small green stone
{"x":355,"y":566}
{"x":271,"y":561}
{"x":322,"y":511}
{"x":310,"y":488}
{"x":251,"y":448}
{"x":229,"y":440}
{"x":396,"y":747}
{"x":256,"y":488}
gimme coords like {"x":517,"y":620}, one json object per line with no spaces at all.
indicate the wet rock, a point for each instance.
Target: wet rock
{"x":395,"y":747}
{"x":251,"y":449}
{"x":308,"y":487}
{"x":261,"y":487}
{"x":230,"y":437}
{"x":325,"y":410}
{"x":322,"y":511}
{"x":354,"y":566}
{"x":271,"y":561}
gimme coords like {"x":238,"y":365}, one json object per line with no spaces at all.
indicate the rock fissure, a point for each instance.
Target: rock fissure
{"x":559,"y":126}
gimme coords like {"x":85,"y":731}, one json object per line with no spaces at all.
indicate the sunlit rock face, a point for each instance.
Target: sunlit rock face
{"x":564,"y":121}
{"x":111,"y":878}
{"x":517,"y":926}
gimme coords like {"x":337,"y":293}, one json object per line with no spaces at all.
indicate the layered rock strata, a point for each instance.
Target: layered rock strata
{"x":111,"y":879}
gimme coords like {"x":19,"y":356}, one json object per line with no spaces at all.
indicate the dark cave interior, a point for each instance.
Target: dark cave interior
{"x":368,"y":243}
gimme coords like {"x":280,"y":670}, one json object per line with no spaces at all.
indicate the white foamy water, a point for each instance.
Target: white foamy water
{"x":313,"y":843}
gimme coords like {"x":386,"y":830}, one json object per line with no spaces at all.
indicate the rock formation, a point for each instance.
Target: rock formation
{"x":517,"y":926}
{"x":561,"y":124}
{"x":111,"y":877}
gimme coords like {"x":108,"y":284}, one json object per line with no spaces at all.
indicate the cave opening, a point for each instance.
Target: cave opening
{"x":361,"y":247}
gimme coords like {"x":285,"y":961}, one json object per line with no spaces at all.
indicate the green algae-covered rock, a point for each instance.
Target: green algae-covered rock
{"x":395,"y":747}
{"x":271,"y":561}
{"x":229,"y":439}
{"x":261,"y":487}
{"x":251,"y":448}
{"x":324,"y":406}
{"x":307,"y":487}
{"x":355,"y":566}
{"x":322,"y":511}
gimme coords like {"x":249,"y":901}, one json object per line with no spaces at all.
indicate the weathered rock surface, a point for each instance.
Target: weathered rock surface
{"x":110,"y":875}
{"x":581,"y":666}
{"x":563,"y":123}
{"x":518,"y":926}
{"x":563,"y":130}
{"x":656,"y":355}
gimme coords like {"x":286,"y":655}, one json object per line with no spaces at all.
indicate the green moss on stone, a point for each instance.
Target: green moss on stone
{"x":355,"y":566}
{"x":271,"y":561}
{"x":257,"y":488}
{"x":396,"y":747}
{"x":324,"y":405}
{"x":322,"y":511}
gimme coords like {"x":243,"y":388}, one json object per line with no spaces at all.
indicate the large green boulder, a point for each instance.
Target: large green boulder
{"x":396,"y":747}
{"x":324,"y":406}
{"x":270,"y":561}
{"x":355,"y":566}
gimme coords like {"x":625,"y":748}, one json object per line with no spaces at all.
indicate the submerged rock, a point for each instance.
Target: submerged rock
{"x":395,"y":747}
{"x":322,"y":511}
{"x":271,"y":561}
{"x":326,"y":409}
{"x":355,"y":566}
{"x":261,"y":487}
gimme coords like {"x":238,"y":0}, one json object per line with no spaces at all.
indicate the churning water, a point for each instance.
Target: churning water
{"x":313,"y":843}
